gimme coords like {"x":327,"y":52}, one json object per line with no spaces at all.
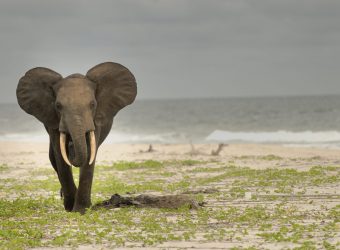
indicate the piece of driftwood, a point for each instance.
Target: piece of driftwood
{"x":149,"y":150}
{"x":143,"y":200}
{"x":218,"y":150}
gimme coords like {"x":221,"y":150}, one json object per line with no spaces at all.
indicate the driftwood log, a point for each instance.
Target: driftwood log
{"x":218,"y":150}
{"x":165,"y":201}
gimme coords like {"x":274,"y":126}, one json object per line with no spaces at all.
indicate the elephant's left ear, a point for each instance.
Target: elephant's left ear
{"x":35,"y":95}
{"x":116,"y":88}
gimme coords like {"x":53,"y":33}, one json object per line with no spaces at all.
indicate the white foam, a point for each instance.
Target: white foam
{"x":326,"y":138}
{"x":123,"y":137}
{"x":113,"y":137}
{"x":25,"y":137}
{"x":276,"y":137}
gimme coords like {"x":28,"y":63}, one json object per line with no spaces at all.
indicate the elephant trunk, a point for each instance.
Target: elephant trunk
{"x":80,"y":148}
{"x":80,"y":142}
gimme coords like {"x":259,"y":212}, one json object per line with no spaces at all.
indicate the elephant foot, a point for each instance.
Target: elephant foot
{"x":68,"y":203}
{"x":80,"y":209}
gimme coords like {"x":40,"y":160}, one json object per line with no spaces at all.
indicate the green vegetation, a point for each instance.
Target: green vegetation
{"x":3,"y":167}
{"x":149,"y":164}
{"x":262,"y":157}
{"x":278,"y":211}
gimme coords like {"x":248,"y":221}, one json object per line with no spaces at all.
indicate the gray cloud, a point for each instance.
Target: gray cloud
{"x":179,"y":48}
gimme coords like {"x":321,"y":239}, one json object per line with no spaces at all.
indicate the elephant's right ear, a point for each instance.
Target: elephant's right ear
{"x":116,"y":88}
{"x":35,"y":95}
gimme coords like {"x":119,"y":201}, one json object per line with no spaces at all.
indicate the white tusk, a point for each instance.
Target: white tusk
{"x":63,"y":148}
{"x":92,"y":146}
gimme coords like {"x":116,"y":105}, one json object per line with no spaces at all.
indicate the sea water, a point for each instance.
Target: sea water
{"x":313,"y":120}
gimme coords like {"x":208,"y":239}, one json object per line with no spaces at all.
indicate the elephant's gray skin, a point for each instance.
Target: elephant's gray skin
{"x":77,"y":111}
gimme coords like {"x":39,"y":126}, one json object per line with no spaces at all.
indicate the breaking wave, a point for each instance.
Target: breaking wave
{"x":303,"y":138}
{"x":282,"y":136}
{"x":113,"y":137}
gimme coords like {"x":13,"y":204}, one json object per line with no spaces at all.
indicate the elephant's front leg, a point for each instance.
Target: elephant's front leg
{"x":69,"y":189}
{"x":65,"y":175}
{"x":68,"y":186}
{"x":83,"y":196}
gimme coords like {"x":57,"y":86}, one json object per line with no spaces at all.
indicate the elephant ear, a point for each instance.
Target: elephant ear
{"x":116,"y":88}
{"x":35,"y":95}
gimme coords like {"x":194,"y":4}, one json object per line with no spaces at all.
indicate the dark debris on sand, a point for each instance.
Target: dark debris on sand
{"x":154,"y":201}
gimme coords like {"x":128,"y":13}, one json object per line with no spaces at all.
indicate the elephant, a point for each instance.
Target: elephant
{"x":77,"y":112}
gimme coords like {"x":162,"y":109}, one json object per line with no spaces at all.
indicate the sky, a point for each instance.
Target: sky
{"x":179,"y":48}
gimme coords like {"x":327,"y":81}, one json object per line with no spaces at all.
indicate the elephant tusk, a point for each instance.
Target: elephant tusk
{"x":63,"y":148}
{"x":92,"y":146}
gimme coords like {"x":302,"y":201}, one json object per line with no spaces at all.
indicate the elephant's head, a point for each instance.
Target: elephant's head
{"x":77,"y":105}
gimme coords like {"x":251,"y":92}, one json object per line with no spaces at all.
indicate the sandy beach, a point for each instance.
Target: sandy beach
{"x":22,"y":157}
{"x":311,"y":197}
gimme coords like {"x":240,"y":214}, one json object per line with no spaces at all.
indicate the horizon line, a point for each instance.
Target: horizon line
{"x":222,"y":97}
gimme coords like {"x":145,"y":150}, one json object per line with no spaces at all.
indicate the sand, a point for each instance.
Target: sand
{"x":24,"y":157}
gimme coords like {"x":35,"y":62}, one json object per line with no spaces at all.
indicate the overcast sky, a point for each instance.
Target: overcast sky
{"x":178,"y":48}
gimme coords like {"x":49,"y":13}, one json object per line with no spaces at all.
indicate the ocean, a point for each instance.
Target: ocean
{"x":304,"y":121}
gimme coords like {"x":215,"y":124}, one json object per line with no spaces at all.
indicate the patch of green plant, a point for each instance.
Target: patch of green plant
{"x":206,"y":169}
{"x":281,"y":235}
{"x":124,"y":165}
{"x":328,"y":246}
{"x":334,"y":213}
{"x":3,"y":167}
{"x":306,"y":245}
{"x":187,"y":162}
{"x":43,"y":172}
{"x":182,"y":185}
{"x":249,"y":215}
{"x":113,"y":185}
{"x":270,"y":157}
{"x":281,"y":179}
{"x":167,"y":174}
{"x":244,"y":157}
{"x":152,"y":164}
{"x":237,"y":192}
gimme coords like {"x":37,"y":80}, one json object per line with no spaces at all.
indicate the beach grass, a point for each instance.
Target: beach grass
{"x":245,"y":208}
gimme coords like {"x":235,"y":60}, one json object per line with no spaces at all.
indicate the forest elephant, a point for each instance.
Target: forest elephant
{"x":77,"y":112}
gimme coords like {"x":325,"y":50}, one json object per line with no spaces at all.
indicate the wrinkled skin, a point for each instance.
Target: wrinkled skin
{"x":80,"y":109}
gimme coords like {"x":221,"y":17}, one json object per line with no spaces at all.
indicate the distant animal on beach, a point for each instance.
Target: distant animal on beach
{"x":77,"y":112}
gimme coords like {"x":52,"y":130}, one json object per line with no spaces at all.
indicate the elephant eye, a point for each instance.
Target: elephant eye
{"x":92,"y":104}
{"x":58,"y":106}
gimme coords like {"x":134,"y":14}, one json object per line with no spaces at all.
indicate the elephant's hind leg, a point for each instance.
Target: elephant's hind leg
{"x":54,"y":164}
{"x":52,"y":158}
